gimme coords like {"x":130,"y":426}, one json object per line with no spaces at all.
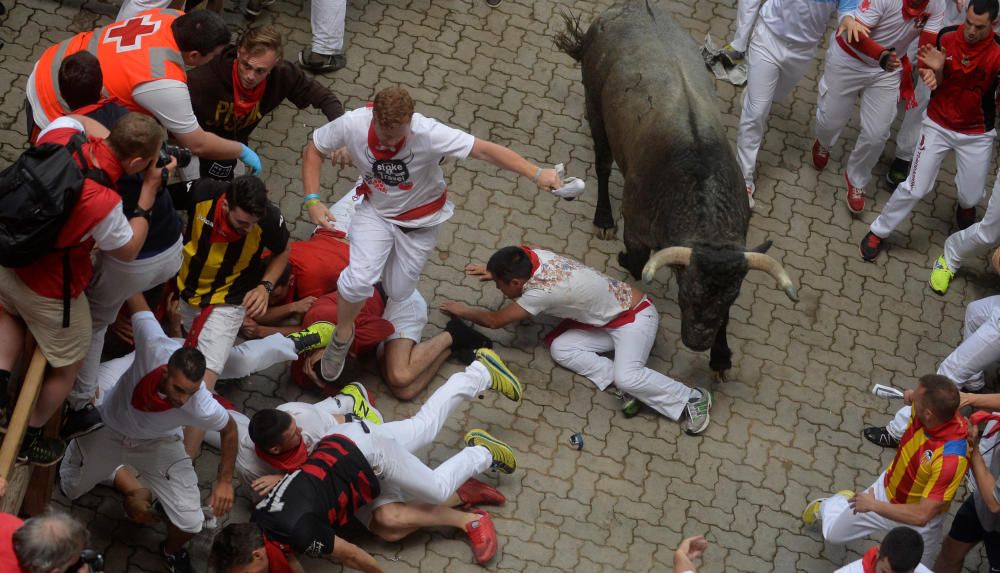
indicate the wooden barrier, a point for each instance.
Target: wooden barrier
{"x":19,"y":477}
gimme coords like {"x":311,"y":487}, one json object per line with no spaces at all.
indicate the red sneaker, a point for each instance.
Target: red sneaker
{"x":821,"y":155}
{"x":855,"y":197}
{"x":475,"y":492}
{"x":482,"y":537}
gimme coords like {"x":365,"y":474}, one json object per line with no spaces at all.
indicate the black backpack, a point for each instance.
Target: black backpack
{"x":37,"y":195}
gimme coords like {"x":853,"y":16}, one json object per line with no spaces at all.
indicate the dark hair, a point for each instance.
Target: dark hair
{"x":903,"y":547}
{"x":941,"y":396}
{"x":267,"y":426}
{"x":201,"y":31}
{"x":188,"y":361}
{"x":47,"y":541}
{"x":248,"y":193}
{"x":985,"y":6}
{"x":286,"y":275}
{"x":509,"y":263}
{"x":80,"y":79}
{"x":234,"y":545}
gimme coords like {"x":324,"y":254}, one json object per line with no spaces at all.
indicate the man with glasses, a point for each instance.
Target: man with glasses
{"x":242,"y":85}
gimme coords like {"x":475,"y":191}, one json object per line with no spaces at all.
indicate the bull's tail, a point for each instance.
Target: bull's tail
{"x":573,"y":39}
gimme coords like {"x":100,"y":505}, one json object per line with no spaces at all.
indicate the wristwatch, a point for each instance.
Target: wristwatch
{"x":140,"y":212}
{"x":268,"y":286}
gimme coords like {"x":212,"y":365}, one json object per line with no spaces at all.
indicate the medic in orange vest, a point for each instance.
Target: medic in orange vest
{"x":143,"y":60}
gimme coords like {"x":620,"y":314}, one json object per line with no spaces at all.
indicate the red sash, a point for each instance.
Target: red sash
{"x":145,"y":395}
{"x":286,"y":461}
{"x":627,"y":317}
{"x":196,"y":326}
{"x":979,"y":417}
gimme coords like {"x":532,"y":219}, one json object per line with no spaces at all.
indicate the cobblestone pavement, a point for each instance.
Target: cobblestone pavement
{"x":786,"y":428}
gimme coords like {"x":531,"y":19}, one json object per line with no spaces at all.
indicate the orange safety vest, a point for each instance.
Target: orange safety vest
{"x":131,"y":52}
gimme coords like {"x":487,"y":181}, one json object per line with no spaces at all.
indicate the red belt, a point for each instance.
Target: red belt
{"x":626,"y":317}
{"x":415,"y":213}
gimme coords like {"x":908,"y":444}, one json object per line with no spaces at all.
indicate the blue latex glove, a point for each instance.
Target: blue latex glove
{"x":251,"y":160}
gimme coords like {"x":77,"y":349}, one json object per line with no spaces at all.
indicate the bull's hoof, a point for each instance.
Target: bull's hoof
{"x":606,"y":233}
{"x":722,"y":376}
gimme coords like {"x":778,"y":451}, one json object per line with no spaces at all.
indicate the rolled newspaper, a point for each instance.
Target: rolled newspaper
{"x":889,"y":392}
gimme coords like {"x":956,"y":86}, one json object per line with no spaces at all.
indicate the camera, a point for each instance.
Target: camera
{"x":182,"y":154}
{"x":92,"y":559}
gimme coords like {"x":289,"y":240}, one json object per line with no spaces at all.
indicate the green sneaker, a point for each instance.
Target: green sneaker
{"x":363,"y":408}
{"x":316,"y":336}
{"x":811,"y":513}
{"x":631,"y":407}
{"x":697,"y":417}
{"x":941,"y":276}
{"x":501,"y":378}
{"x":503,"y":456}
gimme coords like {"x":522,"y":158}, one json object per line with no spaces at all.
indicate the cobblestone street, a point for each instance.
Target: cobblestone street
{"x":787,"y":426}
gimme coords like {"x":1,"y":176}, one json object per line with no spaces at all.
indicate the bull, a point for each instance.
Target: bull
{"x":652,"y":110}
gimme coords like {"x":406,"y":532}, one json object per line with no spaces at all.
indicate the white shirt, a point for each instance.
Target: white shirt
{"x":890,"y":30}
{"x":315,"y":424}
{"x":413,"y":177}
{"x":113,"y":231}
{"x":803,"y":21}
{"x":152,"y":350}
{"x":856,"y":567}
{"x":566,"y":288}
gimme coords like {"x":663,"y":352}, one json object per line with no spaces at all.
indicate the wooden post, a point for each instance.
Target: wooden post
{"x":19,"y":480}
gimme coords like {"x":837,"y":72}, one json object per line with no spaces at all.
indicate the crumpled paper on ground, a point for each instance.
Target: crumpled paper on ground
{"x":736,"y":75}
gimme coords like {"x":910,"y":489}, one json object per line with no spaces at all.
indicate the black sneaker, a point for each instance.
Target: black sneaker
{"x":319,"y":63}
{"x":871,"y":246}
{"x":253,"y":8}
{"x":880,"y":437}
{"x":179,"y":562}
{"x":898,"y":172}
{"x":465,"y":340}
{"x":964,"y":218}
{"x":493,"y":3}
{"x":80,"y":422}
{"x":40,"y":450}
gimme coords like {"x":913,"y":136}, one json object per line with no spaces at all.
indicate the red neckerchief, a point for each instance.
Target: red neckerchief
{"x":870,"y":559}
{"x":531,"y":257}
{"x":287,"y":461}
{"x":970,"y":52}
{"x":146,"y":396}
{"x":277,"y":557}
{"x":244,"y":100}
{"x":380,"y":151}
{"x":954,"y":429}
{"x":979,"y":417}
{"x":222,"y":231}
{"x":909,"y":14}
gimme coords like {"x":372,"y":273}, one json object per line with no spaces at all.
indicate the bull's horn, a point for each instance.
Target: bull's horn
{"x":668,"y":256}
{"x":762,"y":262}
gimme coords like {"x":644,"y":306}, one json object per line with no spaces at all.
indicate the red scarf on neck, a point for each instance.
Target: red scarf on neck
{"x":244,"y":100}
{"x":531,"y":257}
{"x":222,"y":231}
{"x":277,"y":557}
{"x":286,"y":461}
{"x":146,"y":396}
{"x":870,"y":559}
{"x":380,"y":151}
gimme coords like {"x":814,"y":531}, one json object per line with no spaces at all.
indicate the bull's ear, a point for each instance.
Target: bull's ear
{"x":762,"y":248}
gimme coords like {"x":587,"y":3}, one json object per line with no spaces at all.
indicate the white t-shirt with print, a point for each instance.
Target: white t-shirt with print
{"x":152,"y":350}
{"x":890,"y":30}
{"x":413,"y":176}
{"x":858,"y":567}
{"x":315,"y":424}
{"x":566,"y":288}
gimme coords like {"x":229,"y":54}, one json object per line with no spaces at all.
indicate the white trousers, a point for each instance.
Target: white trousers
{"x":980,"y":348}
{"x":390,"y":447}
{"x":130,"y":8}
{"x":977,"y":238}
{"x":746,"y":14}
{"x":579,"y":350}
{"x":113,"y":282}
{"x":162,"y":464}
{"x":381,"y":250}
{"x":973,"y":153}
{"x":218,"y":333}
{"x":327,"y":20}
{"x":845,"y":80}
{"x":842,"y":525}
{"x":909,"y":129}
{"x":775,"y":66}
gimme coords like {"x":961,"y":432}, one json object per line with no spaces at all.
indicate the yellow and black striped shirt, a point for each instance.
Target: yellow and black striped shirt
{"x":222,"y":273}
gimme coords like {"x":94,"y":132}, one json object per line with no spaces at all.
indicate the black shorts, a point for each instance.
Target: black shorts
{"x":967,"y":529}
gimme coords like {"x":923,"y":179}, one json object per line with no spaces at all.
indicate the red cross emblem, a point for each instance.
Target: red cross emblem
{"x":127,"y":35}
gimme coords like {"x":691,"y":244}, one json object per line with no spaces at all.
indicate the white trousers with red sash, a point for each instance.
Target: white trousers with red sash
{"x":381,"y":250}
{"x":580,"y":350}
{"x":845,"y":80}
